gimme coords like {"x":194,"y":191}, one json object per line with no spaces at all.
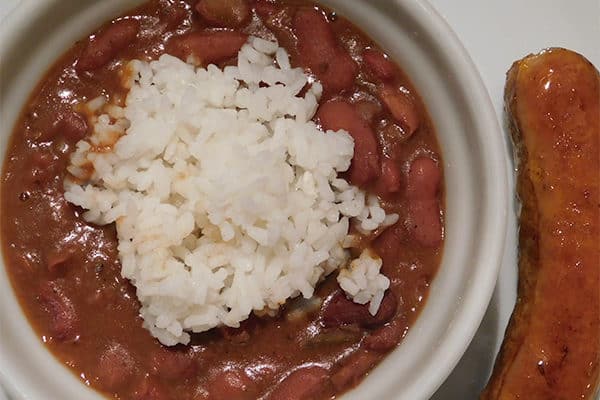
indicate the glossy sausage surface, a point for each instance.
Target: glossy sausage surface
{"x":551,"y":350}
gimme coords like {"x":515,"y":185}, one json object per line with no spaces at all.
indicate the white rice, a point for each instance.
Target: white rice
{"x":225,"y":194}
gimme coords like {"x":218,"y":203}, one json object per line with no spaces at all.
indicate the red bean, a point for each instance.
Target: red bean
{"x":339,"y":310}
{"x":402,"y":107}
{"x":424,"y":178}
{"x":173,"y":364}
{"x":389,"y":182}
{"x":265,"y":9}
{"x":115,"y":367}
{"x":172,"y":14}
{"x":354,"y":369}
{"x":379,"y":65}
{"x":63,"y":317}
{"x":232,"y":384}
{"x":339,"y":114}
{"x":73,"y":126}
{"x":391,"y":138}
{"x":302,"y":384}
{"x":224,"y":13}
{"x":105,"y":46}
{"x":386,"y":246}
{"x":207,"y":47}
{"x":385,"y":338}
{"x":320,"y":51}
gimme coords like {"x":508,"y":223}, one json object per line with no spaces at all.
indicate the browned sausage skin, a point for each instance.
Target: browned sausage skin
{"x":551,"y":349}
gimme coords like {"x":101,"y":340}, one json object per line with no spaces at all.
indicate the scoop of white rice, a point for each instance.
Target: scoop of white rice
{"x":225,"y":194}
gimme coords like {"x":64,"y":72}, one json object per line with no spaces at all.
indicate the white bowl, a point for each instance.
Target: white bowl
{"x":476,"y":202}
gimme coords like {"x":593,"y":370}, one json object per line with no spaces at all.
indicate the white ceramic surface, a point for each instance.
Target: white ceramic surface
{"x":475,"y":177}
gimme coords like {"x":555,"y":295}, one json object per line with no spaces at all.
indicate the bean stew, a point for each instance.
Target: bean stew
{"x":66,"y":272}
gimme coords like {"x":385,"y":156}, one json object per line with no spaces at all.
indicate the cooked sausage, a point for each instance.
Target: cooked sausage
{"x":320,"y":51}
{"x":105,"y":46}
{"x":302,"y":384}
{"x":339,"y":114}
{"x":63,"y":317}
{"x":339,"y":310}
{"x":402,"y":107}
{"x":224,"y":13}
{"x":424,"y":178}
{"x":551,"y":349}
{"x":207,"y":47}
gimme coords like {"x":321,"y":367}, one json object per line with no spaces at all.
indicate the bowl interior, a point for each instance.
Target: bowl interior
{"x":476,"y":199}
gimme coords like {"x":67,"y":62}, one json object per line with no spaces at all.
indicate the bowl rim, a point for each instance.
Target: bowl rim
{"x":477,"y":298}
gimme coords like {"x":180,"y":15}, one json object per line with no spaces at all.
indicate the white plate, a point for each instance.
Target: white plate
{"x":496,"y":33}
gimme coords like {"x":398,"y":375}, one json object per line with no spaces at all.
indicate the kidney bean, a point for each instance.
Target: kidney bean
{"x":173,"y":364}
{"x":379,"y":65}
{"x":424,"y":178}
{"x":402,"y":107}
{"x":339,"y":310}
{"x":385,"y":337}
{"x":224,"y":13}
{"x":232,"y":384}
{"x":302,"y":384}
{"x":173,"y":14}
{"x":390,"y":179}
{"x":207,"y":47}
{"x":115,"y":367}
{"x":354,"y":369}
{"x":73,"y":126}
{"x":320,"y":51}
{"x":339,"y":114}
{"x":265,"y":8}
{"x":106,"y":45}
{"x":63,"y":316}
